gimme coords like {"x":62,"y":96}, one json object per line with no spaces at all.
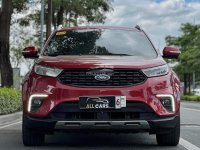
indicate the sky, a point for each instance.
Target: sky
{"x":158,"y":18}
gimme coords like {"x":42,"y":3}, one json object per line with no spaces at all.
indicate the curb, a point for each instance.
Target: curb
{"x":10,"y":117}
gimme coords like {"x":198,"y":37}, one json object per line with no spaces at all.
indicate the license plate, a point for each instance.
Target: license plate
{"x":102,"y":102}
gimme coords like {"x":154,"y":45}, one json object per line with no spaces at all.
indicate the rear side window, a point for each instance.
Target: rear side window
{"x":100,"y":42}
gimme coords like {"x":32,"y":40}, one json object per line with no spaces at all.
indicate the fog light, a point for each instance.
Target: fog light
{"x":167,"y":101}
{"x":35,"y":101}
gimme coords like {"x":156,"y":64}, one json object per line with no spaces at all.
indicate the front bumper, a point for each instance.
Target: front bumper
{"x":49,"y":126}
{"x":58,"y":93}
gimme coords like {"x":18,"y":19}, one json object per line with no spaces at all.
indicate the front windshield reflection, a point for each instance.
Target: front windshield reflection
{"x":100,"y":42}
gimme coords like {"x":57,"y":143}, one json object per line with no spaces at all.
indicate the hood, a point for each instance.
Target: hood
{"x":99,"y":61}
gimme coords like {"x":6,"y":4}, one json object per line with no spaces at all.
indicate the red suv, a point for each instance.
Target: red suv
{"x":100,"y":79}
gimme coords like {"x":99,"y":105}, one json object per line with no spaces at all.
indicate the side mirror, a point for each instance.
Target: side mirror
{"x":30,"y":52}
{"x":171,"y":52}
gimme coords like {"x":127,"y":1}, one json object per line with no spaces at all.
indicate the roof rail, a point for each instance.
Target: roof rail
{"x":138,"y":27}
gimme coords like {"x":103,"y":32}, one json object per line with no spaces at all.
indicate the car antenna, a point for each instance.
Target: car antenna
{"x":138,"y":27}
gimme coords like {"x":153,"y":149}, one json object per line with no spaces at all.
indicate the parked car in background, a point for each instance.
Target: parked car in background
{"x":196,"y":92}
{"x":100,"y":79}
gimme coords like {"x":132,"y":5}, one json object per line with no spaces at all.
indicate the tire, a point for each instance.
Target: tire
{"x":30,"y":138}
{"x":170,"y":139}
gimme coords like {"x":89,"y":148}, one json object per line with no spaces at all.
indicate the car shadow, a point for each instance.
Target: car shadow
{"x":104,"y":141}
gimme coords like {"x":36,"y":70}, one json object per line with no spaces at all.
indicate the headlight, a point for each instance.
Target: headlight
{"x":156,"y":71}
{"x":47,"y":71}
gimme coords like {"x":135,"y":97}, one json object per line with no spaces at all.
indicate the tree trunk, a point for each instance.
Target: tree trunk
{"x":49,"y":19}
{"x":5,"y":65}
{"x":0,"y":47}
{"x":189,"y":83}
{"x":60,"y":16}
{"x":185,"y":84}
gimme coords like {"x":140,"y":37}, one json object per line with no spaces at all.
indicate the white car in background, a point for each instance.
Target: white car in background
{"x":196,"y":92}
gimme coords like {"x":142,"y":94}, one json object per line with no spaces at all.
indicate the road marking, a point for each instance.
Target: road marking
{"x":188,"y":145}
{"x":6,"y":123}
{"x":191,"y":109}
{"x":2,"y":127}
{"x":191,"y":126}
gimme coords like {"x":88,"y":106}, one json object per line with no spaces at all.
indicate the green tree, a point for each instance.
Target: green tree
{"x":70,"y":13}
{"x":189,"y":60}
{"x":75,"y":12}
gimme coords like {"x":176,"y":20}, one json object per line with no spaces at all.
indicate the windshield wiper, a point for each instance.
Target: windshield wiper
{"x":121,"y":54}
{"x":58,"y":54}
{"x":53,"y":54}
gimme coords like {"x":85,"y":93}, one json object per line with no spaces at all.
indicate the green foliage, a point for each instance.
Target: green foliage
{"x":189,"y":44}
{"x":24,"y":22}
{"x":188,"y":39}
{"x":16,"y":56}
{"x":19,"y":4}
{"x":31,"y":17}
{"x":191,"y":98}
{"x":74,"y":12}
{"x":10,"y":100}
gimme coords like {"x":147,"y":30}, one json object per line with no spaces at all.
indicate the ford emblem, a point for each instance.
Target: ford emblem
{"x":102,"y":77}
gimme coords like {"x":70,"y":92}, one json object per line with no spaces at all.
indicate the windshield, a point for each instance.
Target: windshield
{"x":100,"y":42}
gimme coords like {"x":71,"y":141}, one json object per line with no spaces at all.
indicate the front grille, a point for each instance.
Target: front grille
{"x":119,"y":77}
{"x":133,"y":111}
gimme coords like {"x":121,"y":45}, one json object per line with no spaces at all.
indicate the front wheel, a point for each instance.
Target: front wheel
{"x":31,"y":138}
{"x":170,"y":139}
